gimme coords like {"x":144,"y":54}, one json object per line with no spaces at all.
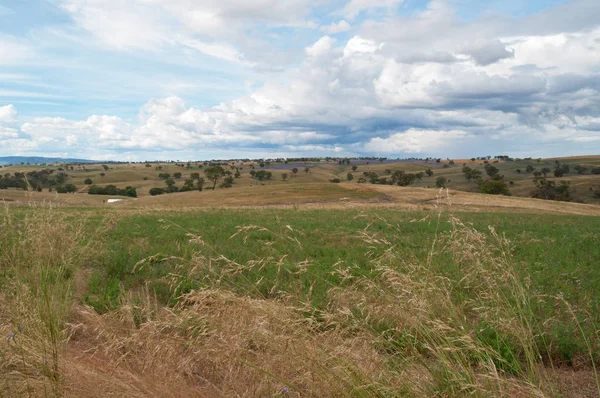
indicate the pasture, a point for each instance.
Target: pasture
{"x":300,"y":287}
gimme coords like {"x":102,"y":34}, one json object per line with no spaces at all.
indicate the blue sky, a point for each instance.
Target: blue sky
{"x":196,"y":79}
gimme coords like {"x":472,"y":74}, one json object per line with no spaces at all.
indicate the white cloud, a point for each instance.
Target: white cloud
{"x":215,"y":28}
{"x":321,"y":47}
{"x":354,"y":7}
{"x":8,"y":114}
{"x":337,"y":27}
{"x":415,"y":84}
{"x":416,"y":141}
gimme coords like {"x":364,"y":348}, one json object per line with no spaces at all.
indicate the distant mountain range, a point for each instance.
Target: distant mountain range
{"x":4,"y":160}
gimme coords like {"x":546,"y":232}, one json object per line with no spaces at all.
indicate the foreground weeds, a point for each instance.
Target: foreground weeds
{"x":41,"y":253}
{"x":399,"y":326}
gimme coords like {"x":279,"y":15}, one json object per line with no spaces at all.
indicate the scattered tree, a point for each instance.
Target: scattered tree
{"x":214,"y":173}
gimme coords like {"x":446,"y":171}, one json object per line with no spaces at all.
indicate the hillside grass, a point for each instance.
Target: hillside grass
{"x":144,"y":178}
{"x":287,"y":302}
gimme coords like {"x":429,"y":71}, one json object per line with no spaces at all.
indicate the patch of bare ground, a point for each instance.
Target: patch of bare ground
{"x":573,"y":383}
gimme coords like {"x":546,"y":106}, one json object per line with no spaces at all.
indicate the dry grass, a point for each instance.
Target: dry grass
{"x":40,"y":255}
{"x":405,"y":329}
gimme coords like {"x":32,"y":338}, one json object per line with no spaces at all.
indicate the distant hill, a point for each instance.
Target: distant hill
{"x":4,"y":160}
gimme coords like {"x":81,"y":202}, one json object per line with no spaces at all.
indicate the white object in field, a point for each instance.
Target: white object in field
{"x":114,"y":200}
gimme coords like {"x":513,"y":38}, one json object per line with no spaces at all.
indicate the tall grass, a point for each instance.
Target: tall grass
{"x":41,"y":252}
{"x":396,"y":325}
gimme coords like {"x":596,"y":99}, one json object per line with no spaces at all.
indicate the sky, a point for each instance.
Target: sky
{"x":198,"y":79}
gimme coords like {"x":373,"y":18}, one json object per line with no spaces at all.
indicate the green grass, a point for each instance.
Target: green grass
{"x":559,"y":255}
{"x":356,"y":272}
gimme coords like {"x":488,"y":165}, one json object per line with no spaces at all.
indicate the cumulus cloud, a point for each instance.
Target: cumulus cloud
{"x":429,"y":84}
{"x":337,"y":27}
{"x":8,"y":114}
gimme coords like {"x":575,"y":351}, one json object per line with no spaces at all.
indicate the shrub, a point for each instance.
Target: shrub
{"x":157,"y":191}
{"x":88,"y":181}
{"x":494,"y":187}
{"x":440,"y":182}
{"x":335,"y":180}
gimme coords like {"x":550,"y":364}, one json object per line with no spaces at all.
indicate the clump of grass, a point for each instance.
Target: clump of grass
{"x":41,"y":252}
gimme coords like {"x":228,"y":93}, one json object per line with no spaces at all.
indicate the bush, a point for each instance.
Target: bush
{"x":112,"y":190}
{"x":596,"y":170}
{"x":440,"y":182}
{"x":88,"y":181}
{"x":335,"y":180}
{"x":67,"y":188}
{"x":494,"y":187}
{"x":157,"y":191}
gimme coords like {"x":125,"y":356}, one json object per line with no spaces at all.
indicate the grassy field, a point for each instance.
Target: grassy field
{"x":300,"y":287}
{"x":364,"y":301}
{"x":306,"y":187}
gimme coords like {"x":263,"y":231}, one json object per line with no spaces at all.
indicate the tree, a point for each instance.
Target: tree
{"x":227,"y":182}
{"x":88,"y":181}
{"x":262,"y":175}
{"x":471,"y":174}
{"x":164,"y":176}
{"x":148,"y":165}
{"x":491,"y":171}
{"x":171,"y":185}
{"x":440,"y":182}
{"x":306,"y":170}
{"x":529,"y":168}
{"x":105,"y":167}
{"x":177,"y":175}
{"x":214,"y":173}
{"x":580,"y":169}
{"x":494,"y":187}
{"x":354,"y":167}
{"x":596,"y":170}
{"x":102,"y":175}
{"x":200,"y":184}
{"x":429,"y":172}
{"x":295,"y":170}
{"x":157,"y":191}
{"x":561,"y":169}
{"x":284,"y":176}
{"x":350,"y":177}
{"x":131,"y":192}
{"x":545,"y":171}
{"x":548,"y":190}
